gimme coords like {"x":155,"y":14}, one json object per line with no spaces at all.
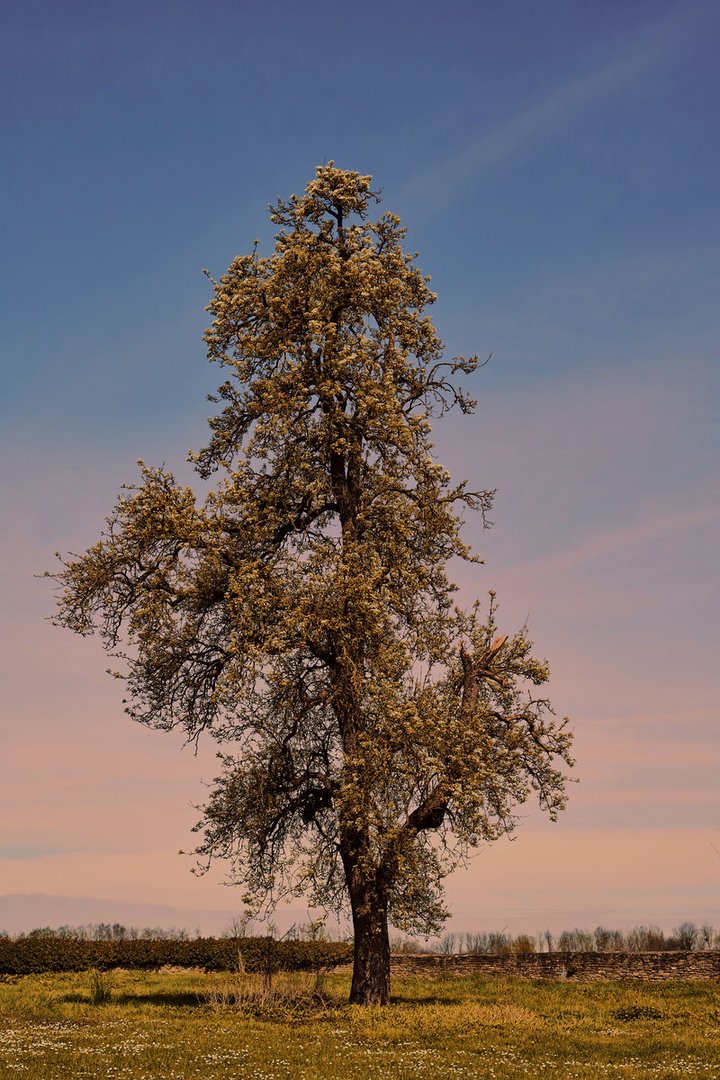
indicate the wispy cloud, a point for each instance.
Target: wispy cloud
{"x":561,"y":106}
{"x":614,"y":539}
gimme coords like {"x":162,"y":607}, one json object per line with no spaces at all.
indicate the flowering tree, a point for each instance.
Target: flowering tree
{"x":302,"y":616}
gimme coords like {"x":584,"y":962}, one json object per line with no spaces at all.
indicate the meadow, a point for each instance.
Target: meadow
{"x":185,"y":1024}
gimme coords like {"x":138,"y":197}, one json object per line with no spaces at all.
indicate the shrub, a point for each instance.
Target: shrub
{"x":524,"y":944}
{"x":100,"y":989}
{"x":30,"y":955}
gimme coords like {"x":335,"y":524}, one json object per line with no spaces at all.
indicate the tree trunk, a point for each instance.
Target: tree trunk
{"x":371,"y":962}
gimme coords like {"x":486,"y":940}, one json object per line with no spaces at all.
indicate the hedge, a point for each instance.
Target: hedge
{"x":29,"y":956}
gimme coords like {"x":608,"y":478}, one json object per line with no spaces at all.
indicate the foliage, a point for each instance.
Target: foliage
{"x":302,"y":615}
{"x":37,"y":954}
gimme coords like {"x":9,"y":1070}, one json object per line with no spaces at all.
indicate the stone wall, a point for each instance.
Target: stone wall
{"x":578,"y":966}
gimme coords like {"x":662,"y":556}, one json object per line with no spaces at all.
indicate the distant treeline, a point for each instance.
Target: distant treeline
{"x":686,"y":936}
{"x":108,"y":932}
{"x":240,"y":927}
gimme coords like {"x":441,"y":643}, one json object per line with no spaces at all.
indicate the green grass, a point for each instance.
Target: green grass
{"x":183,"y":1025}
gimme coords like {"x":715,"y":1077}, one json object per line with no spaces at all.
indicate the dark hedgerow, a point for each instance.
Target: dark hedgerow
{"x":33,"y":956}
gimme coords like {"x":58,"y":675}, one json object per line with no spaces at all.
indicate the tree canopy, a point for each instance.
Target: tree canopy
{"x":373,"y":733}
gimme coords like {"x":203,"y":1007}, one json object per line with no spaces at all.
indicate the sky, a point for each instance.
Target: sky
{"x":556,"y":166}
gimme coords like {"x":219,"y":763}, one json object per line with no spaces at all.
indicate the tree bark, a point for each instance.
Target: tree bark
{"x":371,"y":962}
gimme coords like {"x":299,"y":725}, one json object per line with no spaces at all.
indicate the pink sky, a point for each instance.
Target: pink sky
{"x":606,"y":536}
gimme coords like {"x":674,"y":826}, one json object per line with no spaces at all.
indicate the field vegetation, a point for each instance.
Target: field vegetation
{"x":185,"y":1024}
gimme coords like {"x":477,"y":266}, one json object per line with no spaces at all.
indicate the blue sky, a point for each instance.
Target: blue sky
{"x":556,"y":165}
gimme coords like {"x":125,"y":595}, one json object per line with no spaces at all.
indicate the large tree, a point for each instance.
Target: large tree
{"x":302,"y":614}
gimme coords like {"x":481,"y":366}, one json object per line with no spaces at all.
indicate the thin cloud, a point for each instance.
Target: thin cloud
{"x":560,"y":107}
{"x":615,"y":539}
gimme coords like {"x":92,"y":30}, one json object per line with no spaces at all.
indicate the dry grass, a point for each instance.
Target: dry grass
{"x":286,"y":996}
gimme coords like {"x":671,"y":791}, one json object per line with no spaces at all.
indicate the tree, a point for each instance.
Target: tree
{"x":302,"y":614}
{"x":686,"y":935}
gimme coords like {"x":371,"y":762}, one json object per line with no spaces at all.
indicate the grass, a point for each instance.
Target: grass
{"x":182,"y":1025}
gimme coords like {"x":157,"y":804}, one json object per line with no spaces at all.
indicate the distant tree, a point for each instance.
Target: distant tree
{"x":400,"y":943}
{"x":449,"y":944}
{"x":303,"y":616}
{"x":707,"y":936}
{"x":499,"y":943}
{"x":494,"y":943}
{"x":575,"y":941}
{"x":686,"y":935}
{"x":524,"y":944}
{"x":475,"y":943}
{"x":608,"y":940}
{"x":646,"y":939}
{"x":238,"y":926}
{"x":548,"y":939}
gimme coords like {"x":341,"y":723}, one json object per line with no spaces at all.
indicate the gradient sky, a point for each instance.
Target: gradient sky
{"x":557,"y":167}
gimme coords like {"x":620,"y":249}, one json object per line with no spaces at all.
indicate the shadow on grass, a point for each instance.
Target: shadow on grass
{"x":424,"y":999}
{"x":174,"y":1000}
{"x":181,"y":998}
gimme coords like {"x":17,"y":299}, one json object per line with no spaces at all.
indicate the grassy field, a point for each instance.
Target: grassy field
{"x":180,"y":1025}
